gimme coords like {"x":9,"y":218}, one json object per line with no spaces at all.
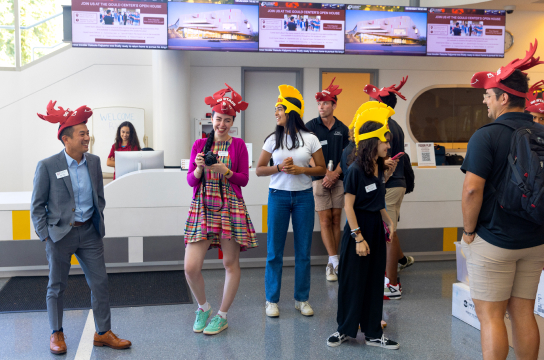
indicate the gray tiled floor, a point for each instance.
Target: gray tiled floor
{"x":421,"y":322}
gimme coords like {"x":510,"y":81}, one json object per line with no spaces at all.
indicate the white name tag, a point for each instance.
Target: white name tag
{"x":223,"y":153}
{"x":324,"y":142}
{"x":61,"y":174}
{"x":370,"y":188}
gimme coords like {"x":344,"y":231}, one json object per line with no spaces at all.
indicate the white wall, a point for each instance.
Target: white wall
{"x":100,"y":77}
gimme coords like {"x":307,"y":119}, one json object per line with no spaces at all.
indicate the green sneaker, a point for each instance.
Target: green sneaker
{"x":215,"y":326}
{"x":201,"y":318}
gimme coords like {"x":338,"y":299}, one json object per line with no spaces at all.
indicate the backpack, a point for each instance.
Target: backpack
{"x":521,"y":191}
{"x":408,"y":174}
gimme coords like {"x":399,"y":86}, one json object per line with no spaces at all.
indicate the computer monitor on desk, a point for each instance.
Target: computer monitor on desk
{"x":130,"y":161}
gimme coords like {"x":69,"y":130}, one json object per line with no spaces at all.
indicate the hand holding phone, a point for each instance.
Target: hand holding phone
{"x":398,"y":156}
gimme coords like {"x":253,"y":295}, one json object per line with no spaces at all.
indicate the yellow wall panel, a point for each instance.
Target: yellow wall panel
{"x":21,"y":224}
{"x":265,"y":218}
{"x":74,"y":261}
{"x":450,"y":237}
{"x":352,"y":96}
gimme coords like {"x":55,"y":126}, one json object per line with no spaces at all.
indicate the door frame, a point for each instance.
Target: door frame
{"x":299,"y":81}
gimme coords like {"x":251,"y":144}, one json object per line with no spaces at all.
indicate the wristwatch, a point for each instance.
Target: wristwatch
{"x":355,"y":232}
{"x":469,"y":233}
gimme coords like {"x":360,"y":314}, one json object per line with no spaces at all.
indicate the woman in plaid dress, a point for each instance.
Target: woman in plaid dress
{"x":218,"y":216}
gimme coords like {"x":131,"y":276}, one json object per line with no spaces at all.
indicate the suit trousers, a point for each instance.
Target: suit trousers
{"x":85,"y":242}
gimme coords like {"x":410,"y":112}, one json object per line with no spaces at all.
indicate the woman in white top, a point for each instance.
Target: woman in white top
{"x":291,"y":147}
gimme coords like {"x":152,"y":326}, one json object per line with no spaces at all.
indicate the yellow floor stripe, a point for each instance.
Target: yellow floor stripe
{"x":74,"y":261}
{"x":450,"y":237}
{"x":265,"y":219}
{"x":21,"y":224}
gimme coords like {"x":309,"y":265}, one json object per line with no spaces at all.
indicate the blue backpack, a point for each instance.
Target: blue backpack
{"x":521,"y":191}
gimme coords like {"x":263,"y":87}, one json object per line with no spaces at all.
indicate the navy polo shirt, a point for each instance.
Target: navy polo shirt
{"x":332,"y":141}
{"x":487,"y":157}
{"x":397,"y":146}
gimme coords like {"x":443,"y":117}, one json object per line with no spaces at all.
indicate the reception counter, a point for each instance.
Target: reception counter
{"x":146,"y":211}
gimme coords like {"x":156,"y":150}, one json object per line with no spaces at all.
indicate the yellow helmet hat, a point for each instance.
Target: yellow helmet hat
{"x":289,"y":91}
{"x":365,"y":106}
{"x":373,"y":111}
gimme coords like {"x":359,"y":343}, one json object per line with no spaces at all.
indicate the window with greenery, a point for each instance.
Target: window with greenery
{"x":40,"y":30}
{"x":447,"y":115}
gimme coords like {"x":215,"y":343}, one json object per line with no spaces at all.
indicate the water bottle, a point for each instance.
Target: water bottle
{"x":330,"y":167}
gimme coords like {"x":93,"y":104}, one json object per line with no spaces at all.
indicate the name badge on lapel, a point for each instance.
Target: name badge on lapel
{"x":223,"y":153}
{"x":323,"y":143}
{"x":370,"y":188}
{"x":61,"y":174}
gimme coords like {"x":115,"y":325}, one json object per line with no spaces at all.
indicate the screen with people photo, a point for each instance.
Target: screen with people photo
{"x":229,"y":25}
{"x":466,"y":32}
{"x":386,"y":30}
{"x":119,"y":24}
{"x":301,"y":27}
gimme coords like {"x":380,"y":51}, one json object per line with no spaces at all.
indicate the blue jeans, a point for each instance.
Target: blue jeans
{"x":281,"y":205}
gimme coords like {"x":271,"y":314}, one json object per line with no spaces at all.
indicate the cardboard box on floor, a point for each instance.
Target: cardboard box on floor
{"x":463,"y":309}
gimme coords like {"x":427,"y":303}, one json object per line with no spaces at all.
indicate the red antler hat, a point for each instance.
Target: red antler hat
{"x":225,"y":105}
{"x":329,"y":93}
{"x":67,"y":117}
{"x":376,"y":93}
{"x":535,"y":104}
{"x":489,"y":80}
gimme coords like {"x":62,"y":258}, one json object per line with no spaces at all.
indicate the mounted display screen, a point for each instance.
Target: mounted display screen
{"x":464,"y":32}
{"x":119,"y":24}
{"x":228,"y":26}
{"x":386,"y":30}
{"x":301,"y":27}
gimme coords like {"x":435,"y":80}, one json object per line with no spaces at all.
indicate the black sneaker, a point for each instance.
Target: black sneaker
{"x":382,"y":342}
{"x":336,"y":339}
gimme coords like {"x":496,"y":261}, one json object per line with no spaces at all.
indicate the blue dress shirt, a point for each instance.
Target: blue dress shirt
{"x":81,"y":184}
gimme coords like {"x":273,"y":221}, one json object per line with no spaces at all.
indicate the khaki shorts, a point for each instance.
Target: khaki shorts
{"x":497,"y":274}
{"x":326,"y":199}
{"x":393,"y":200}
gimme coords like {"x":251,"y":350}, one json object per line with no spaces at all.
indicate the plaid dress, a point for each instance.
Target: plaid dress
{"x":225,"y":218}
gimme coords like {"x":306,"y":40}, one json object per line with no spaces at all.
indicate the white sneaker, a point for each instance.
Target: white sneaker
{"x":391,"y":292}
{"x":410,"y":261}
{"x":304,"y":308}
{"x":272,"y":309}
{"x":331,"y":274}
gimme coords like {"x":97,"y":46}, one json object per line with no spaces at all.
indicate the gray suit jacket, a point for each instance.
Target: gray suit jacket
{"x":52,"y":206}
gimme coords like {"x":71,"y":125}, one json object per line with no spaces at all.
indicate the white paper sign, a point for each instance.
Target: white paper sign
{"x":408,"y":150}
{"x":185,"y":164}
{"x":425,"y":155}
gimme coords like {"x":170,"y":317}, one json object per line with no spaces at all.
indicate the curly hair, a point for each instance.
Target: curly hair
{"x":132,"y":138}
{"x":367,"y":150}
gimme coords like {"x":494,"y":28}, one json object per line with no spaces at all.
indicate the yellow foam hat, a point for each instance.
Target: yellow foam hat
{"x":289,"y":91}
{"x":365,"y":106}
{"x":372,"y":111}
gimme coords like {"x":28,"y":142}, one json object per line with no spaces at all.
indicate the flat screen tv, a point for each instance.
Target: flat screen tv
{"x":119,"y":24}
{"x":386,"y":30}
{"x":227,"y":26}
{"x":301,"y":27}
{"x":466,"y":32}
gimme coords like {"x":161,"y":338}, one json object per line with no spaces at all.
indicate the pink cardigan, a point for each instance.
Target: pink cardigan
{"x":240,"y":165}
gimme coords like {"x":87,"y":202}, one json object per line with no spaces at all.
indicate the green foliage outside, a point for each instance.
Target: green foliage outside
{"x":46,"y":34}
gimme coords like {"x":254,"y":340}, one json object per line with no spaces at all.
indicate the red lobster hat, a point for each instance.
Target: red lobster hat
{"x":225,"y":105}
{"x":329,"y":93}
{"x":489,"y":80}
{"x":67,"y":117}
{"x":533,"y":103}
{"x":376,"y":93}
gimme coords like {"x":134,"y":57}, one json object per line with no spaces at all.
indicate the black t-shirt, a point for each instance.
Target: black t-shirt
{"x":345,"y":156}
{"x":333,"y":141}
{"x":291,"y":26}
{"x":108,"y":20}
{"x":397,"y":146}
{"x":486,"y":157}
{"x":369,"y":191}
{"x":457,"y":31}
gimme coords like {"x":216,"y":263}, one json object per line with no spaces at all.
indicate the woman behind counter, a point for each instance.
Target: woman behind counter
{"x":126,"y":139}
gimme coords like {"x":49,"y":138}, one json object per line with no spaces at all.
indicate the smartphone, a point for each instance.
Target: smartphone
{"x":398,"y":156}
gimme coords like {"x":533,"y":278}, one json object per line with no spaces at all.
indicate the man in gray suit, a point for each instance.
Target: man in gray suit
{"x":67,"y":210}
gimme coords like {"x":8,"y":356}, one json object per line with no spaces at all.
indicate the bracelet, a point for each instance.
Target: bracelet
{"x":354,"y":230}
{"x":358,"y":242}
{"x":469,"y":233}
{"x":278,"y":168}
{"x":227,"y":173}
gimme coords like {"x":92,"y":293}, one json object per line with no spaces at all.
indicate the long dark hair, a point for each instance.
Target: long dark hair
{"x":132,"y":138}
{"x":294,"y":125}
{"x":211,"y":136}
{"x":367,"y":150}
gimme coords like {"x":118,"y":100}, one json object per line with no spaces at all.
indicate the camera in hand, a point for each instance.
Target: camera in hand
{"x":210,"y":158}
